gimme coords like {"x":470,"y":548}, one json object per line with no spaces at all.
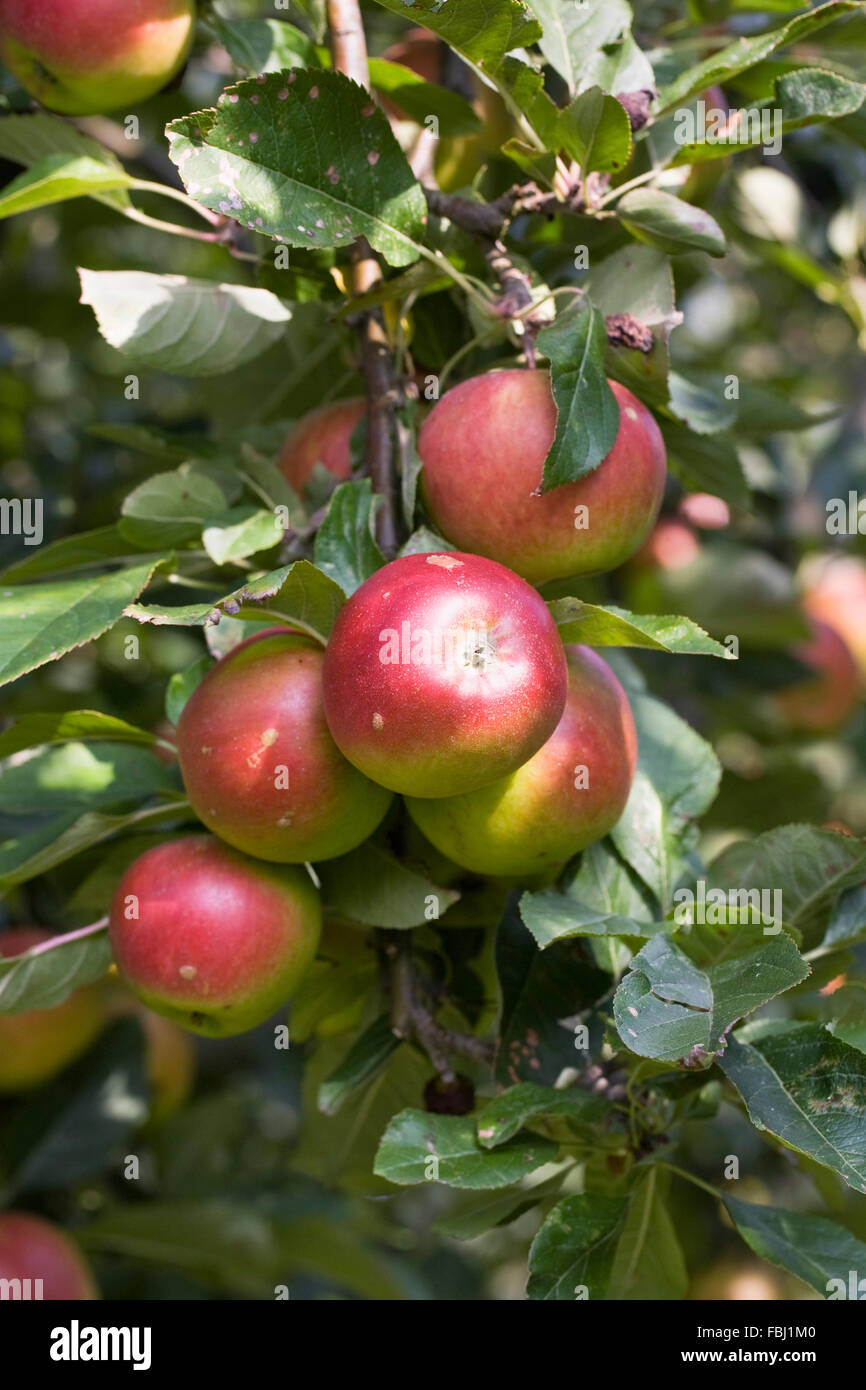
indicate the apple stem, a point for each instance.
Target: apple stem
{"x":349,"y":48}
{"x":410,"y":1017}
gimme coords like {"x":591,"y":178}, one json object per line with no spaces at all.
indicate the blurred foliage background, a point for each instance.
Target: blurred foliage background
{"x":234,"y":1196}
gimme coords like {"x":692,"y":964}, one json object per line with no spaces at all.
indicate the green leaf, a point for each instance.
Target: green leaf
{"x":807,"y":865}
{"x":805,"y":97}
{"x":614,"y":627}
{"x":170,"y":508}
{"x":46,"y":975}
{"x":30,"y":139}
{"x":345,"y":545}
{"x":372,"y":887}
{"x":306,"y":157}
{"x":264,"y":45}
{"x":816,"y":1250}
{"x":181,"y":685}
{"x":594,"y":130}
{"x":340,"y":1149}
{"x":58,"y":177}
{"x":552,"y":916}
{"x":669,"y":224}
{"x":672,"y":1006}
{"x":80,"y":776}
{"x":638,"y":281}
{"x":706,"y":463}
{"x":20,"y":864}
{"x":648,"y":1263}
{"x":70,"y":726}
{"x":676,"y":781}
{"x":178,"y":324}
{"x":541,"y":991}
{"x":420,"y":99}
{"x":241,"y":532}
{"x":847,"y":925}
{"x":89,"y":548}
{"x":298,"y":594}
{"x":584,"y":43}
{"x":483,"y":31}
{"x":702,"y":403}
{"x":365,"y":1059}
{"x":79,"y":1125}
{"x":604,"y":899}
{"x":573,"y":1253}
{"x":417,"y":1147}
{"x":42,"y":622}
{"x":809,"y":1090}
{"x":500,"y":1119}
{"x":587,"y":414}
{"x":745,"y":52}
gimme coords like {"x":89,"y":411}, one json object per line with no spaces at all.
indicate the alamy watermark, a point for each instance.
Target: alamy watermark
{"x":22,"y":516}
{"x":703,"y":125}
{"x":718,"y":907}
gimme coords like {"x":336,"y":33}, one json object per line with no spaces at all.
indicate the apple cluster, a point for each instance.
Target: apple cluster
{"x":445,"y":682}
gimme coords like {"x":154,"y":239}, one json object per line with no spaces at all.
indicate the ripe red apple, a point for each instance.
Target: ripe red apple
{"x":483,"y":447}
{"x":443,"y":672}
{"x":210,"y":939}
{"x":323,"y":436}
{"x":87,"y":56}
{"x":571,"y":793}
{"x":822,"y":705}
{"x":36,"y":1045}
{"x":34,"y":1249}
{"x":835,"y":592}
{"x":260,"y":767}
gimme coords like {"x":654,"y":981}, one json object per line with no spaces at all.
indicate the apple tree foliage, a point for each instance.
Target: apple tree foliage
{"x":176,"y":290}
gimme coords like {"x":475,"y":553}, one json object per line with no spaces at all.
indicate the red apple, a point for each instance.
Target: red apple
{"x":835,"y":592}
{"x":260,"y":767}
{"x":671,"y":546}
{"x":704,"y":510}
{"x":86,"y":56}
{"x":36,"y":1045}
{"x":822,"y":705}
{"x":483,"y":447}
{"x":33,"y":1249}
{"x":443,"y":672}
{"x":323,"y":436}
{"x":210,"y":939}
{"x":571,"y":793}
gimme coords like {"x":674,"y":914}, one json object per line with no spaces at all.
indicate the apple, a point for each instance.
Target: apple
{"x":34,"y":1249}
{"x":571,"y":793}
{"x":210,"y":939}
{"x":821,"y":705}
{"x":443,"y":672}
{"x":322,"y":436}
{"x":259,"y":764}
{"x":705,"y":511}
{"x":835,"y":592}
{"x":36,"y":1045}
{"x":483,"y":447}
{"x":83,"y":57}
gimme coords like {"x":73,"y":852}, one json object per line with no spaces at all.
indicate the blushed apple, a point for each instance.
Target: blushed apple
{"x":570,"y":794}
{"x":34,"y":1249}
{"x":483,"y":447}
{"x":82,"y":57}
{"x":322,"y":436}
{"x":259,"y":763}
{"x":39,"y":1043}
{"x":443,"y":672}
{"x":211,"y":939}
